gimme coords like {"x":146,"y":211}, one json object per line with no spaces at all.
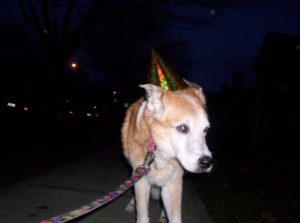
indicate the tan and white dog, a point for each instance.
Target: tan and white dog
{"x":178,"y":123}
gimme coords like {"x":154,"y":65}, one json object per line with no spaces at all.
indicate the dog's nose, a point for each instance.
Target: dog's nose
{"x":205,"y":162}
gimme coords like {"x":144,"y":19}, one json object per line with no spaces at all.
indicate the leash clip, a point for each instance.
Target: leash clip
{"x":149,"y":159}
{"x":147,"y":162}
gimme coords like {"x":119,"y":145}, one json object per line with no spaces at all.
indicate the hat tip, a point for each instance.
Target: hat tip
{"x":163,"y":75}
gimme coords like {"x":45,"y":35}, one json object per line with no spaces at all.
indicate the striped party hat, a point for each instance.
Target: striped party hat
{"x":163,"y":75}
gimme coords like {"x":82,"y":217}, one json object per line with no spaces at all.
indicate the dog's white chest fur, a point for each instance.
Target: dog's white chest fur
{"x":163,"y":171}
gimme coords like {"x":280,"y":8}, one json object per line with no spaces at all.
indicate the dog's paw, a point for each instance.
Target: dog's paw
{"x":163,"y":220}
{"x":130,"y":206}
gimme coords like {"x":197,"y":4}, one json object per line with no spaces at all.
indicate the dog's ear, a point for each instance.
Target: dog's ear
{"x":197,"y":89}
{"x":154,"y":97}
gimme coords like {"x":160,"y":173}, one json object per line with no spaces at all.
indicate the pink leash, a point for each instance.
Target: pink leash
{"x":140,"y":171}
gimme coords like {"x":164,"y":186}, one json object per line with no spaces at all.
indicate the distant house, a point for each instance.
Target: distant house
{"x":278,"y":62}
{"x":277,"y":115}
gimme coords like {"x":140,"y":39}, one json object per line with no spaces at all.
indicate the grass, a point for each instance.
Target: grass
{"x":250,"y":195}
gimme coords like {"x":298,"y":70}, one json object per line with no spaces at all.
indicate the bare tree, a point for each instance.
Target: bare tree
{"x":122,"y":28}
{"x":60,"y":33}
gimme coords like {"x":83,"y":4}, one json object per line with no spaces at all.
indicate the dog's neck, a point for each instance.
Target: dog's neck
{"x":140,"y":114}
{"x":151,"y":144}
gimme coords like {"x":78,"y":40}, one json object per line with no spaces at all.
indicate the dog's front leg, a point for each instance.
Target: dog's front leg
{"x":171,"y":195}
{"x":142,"y":193}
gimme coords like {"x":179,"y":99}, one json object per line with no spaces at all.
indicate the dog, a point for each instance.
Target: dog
{"x":178,"y":123}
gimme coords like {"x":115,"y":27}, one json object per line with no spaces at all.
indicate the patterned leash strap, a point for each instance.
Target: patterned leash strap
{"x":140,"y":171}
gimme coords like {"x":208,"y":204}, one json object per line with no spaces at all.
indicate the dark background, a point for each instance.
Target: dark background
{"x":52,"y":113}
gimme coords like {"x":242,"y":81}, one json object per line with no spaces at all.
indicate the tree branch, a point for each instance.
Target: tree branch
{"x":31,"y":20}
{"x":45,"y":15}
{"x":65,"y":24}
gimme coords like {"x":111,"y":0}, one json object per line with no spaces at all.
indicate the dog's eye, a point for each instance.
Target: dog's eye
{"x":183,"y":129}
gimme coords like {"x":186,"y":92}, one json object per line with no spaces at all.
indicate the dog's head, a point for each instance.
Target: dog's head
{"x":179,"y":123}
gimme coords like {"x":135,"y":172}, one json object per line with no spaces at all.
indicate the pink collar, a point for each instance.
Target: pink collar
{"x":151,"y":144}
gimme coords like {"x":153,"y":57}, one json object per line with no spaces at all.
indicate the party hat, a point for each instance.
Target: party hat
{"x":163,"y":75}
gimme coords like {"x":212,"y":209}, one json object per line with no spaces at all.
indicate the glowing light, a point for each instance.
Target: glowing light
{"x":11,"y":104}
{"x":88,"y":114}
{"x":25,"y":109}
{"x":71,"y":112}
{"x":74,"y":65}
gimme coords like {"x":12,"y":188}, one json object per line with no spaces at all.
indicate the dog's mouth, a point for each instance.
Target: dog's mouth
{"x":205,"y":170}
{"x":205,"y":164}
{"x":196,"y":164}
{"x":199,"y":169}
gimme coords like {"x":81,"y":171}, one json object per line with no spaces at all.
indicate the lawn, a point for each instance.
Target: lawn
{"x":250,"y":195}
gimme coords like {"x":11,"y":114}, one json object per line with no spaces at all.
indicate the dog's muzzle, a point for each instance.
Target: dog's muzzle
{"x":205,"y":163}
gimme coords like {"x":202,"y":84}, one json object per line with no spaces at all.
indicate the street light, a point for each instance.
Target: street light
{"x":25,"y":109}
{"x":74,"y":65}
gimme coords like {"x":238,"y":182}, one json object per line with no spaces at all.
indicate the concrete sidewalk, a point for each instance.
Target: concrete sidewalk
{"x":73,"y":185}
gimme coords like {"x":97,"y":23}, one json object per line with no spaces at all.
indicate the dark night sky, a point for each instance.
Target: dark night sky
{"x":232,"y":42}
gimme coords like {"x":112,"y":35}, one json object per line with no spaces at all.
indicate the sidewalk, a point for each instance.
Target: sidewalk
{"x":75,"y":184}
